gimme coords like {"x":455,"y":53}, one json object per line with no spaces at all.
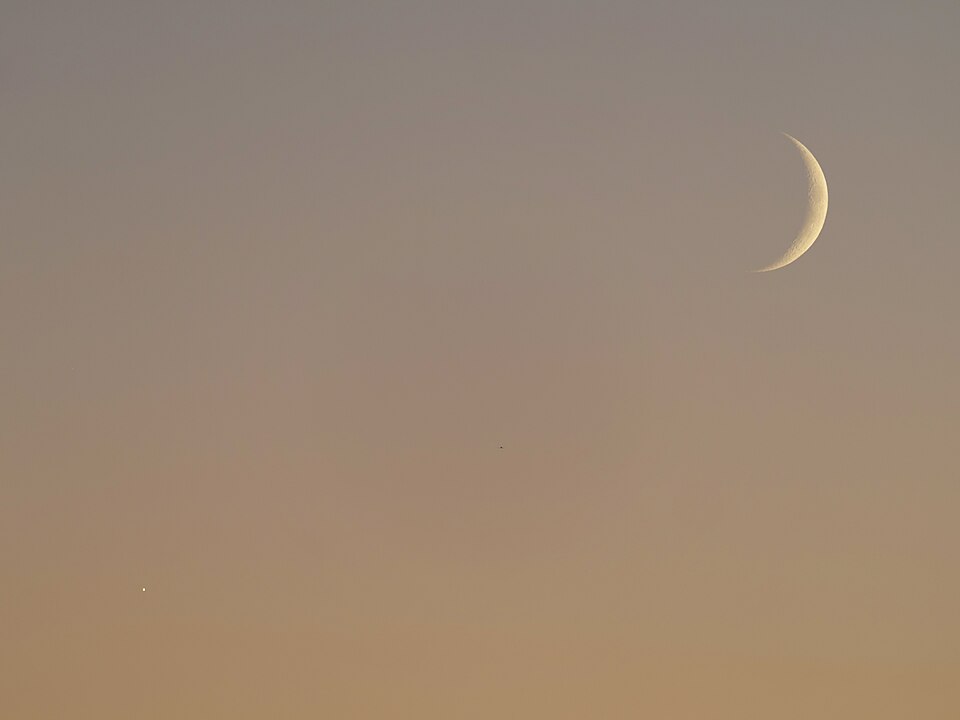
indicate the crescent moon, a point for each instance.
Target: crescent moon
{"x":816,"y":209}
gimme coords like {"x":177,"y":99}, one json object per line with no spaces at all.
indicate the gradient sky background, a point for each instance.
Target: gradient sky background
{"x":277,"y":280}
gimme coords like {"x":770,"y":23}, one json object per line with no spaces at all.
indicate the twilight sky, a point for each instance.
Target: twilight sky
{"x":278,"y":280}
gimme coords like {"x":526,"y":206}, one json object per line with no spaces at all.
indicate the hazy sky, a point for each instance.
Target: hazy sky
{"x":278,"y":280}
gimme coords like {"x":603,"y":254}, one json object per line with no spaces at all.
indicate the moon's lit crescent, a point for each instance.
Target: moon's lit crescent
{"x":816,"y":209}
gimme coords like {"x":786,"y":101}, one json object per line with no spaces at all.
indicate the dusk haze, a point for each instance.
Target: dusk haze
{"x":369,"y":360}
